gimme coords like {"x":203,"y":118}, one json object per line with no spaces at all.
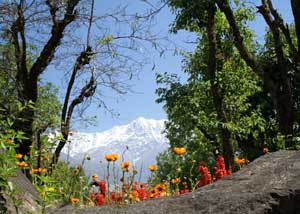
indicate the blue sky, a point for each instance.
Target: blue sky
{"x":142,"y":102}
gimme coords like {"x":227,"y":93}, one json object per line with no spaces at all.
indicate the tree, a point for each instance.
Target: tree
{"x":278,"y":74}
{"x":17,"y":17}
{"x":212,"y":63}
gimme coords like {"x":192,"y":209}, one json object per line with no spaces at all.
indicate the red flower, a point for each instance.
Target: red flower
{"x":116,"y":196}
{"x":265,"y":150}
{"x":205,"y":176}
{"x":102,"y":186}
{"x":183,"y":191}
{"x":220,"y":170}
{"x":141,"y":194}
{"x":229,"y":171}
{"x":97,"y":198}
{"x":100,"y":199}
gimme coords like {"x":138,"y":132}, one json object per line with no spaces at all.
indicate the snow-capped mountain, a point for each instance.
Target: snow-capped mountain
{"x":139,"y":141}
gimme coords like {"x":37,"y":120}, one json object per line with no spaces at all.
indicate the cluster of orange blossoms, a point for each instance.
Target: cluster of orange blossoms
{"x":111,"y":157}
{"x":179,"y":150}
{"x":22,"y":164}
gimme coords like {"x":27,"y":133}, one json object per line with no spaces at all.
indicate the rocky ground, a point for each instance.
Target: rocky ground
{"x":26,"y":193}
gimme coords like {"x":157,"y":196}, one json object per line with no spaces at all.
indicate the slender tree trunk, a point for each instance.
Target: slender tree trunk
{"x":215,"y":88}
{"x":282,"y":97}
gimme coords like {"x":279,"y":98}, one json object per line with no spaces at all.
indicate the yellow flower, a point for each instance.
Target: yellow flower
{"x":125,"y":166}
{"x":22,"y":164}
{"x":74,"y":200}
{"x":9,"y":141}
{"x":19,"y":156}
{"x":179,"y":150}
{"x":152,"y":168}
{"x":50,"y":189}
{"x":111,"y":157}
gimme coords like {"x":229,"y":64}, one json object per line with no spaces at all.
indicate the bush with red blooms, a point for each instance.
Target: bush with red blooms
{"x":220,"y":171}
{"x":205,"y":175}
{"x":116,"y":197}
{"x":185,"y":190}
{"x":102,"y":186}
{"x":140,"y":189}
{"x":97,"y":198}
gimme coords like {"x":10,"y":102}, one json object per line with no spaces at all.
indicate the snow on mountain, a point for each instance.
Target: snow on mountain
{"x":143,"y":138}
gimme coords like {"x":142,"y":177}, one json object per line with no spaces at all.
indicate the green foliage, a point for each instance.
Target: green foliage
{"x":47,"y":107}
{"x":8,"y":158}
{"x":62,"y":184}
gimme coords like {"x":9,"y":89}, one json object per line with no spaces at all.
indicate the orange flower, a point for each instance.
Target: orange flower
{"x":179,"y":150}
{"x":125,"y":166}
{"x":22,"y":164}
{"x":152,"y":168}
{"x":265,"y":150}
{"x":19,"y":156}
{"x":43,"y":170}
{"x":175,"y":181}
{"x":111,"y":157}
{"x":94,"y":177}
{"x":35,"y":170}
{"x":74,"y":200}
{"x":43,"y":158}
{"x":240,"y":161}
{"x":43,"y":150}
{"x":160,"y":188}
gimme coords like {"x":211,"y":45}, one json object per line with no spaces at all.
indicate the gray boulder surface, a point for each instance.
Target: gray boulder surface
{"x":269,"y":184}
{"x":26,"y":193}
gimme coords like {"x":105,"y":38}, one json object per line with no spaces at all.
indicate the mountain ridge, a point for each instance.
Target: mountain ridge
{"x":140,"y":142}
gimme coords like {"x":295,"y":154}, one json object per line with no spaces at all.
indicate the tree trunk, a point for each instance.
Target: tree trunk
{"x":215,"y":88}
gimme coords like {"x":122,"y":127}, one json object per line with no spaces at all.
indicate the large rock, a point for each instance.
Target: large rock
{"x":270,"y":184}
{"x":26,"y":193}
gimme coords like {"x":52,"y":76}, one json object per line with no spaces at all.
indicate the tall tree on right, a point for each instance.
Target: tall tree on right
{"x":280,"y":69}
